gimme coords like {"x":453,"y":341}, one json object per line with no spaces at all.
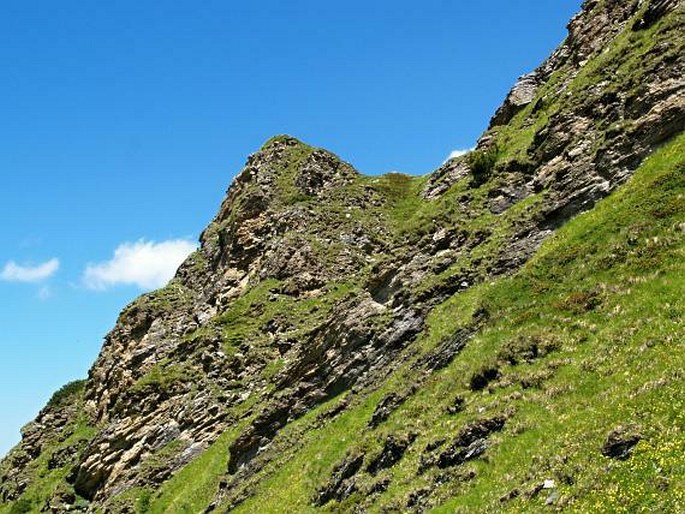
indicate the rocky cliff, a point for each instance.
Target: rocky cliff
{"x":460,"y":341}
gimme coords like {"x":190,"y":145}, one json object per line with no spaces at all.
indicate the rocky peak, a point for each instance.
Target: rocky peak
{"x":284,"y":165}
{"x":520,"y":95}
{"x":314,"y":284}
{"x":589,"y":33}
{"x":270,"y":196}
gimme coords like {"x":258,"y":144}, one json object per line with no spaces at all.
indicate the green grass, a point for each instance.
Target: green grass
{"x":244,"y":320}
{"x":622,"y":66}
{"x":193,"y":488}
{"x":401,"y":194}
{"x":587,"y":337}
{"x":613,"y":361}
{"x":304,"y":470}
{"x":162,"y":377}
{"x":66,"y":393}
{"x":481,"y":163}
{"x":45,"y":482}
{"x":189,"y":490}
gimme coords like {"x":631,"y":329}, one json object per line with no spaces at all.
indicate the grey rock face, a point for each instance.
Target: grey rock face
{"x":521,"y":95}
{"x":304,"y":289}
{"x":655,"y":10}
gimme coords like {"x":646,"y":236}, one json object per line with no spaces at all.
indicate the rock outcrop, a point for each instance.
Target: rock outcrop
{"x":314,"y":285}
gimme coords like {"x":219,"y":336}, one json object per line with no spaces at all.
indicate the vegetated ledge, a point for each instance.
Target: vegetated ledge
{"x":318,"y":293}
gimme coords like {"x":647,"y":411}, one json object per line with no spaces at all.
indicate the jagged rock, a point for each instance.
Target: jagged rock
{"x":378,"y":487}
{"x":416,"y":497}
{"x":521,"y":95}
{"x":323,"y":171}
{"x":514,"y":493}
{"x":258,"y":434}
{"x":443,"y":178}
{"x":470,"y":442}
{"x":447,"y":351}
{"x":655,"y":10}
{"x":64,"y":456}
{"x":387,"y":405}
{"x":457,"y":405}
{"x":483,"y":377}
{"x":341,"y":485}
{"x":392,"y":452}
{"x":306,"y":287}
{"x":620,"y":442}
{"x":458,"y":455}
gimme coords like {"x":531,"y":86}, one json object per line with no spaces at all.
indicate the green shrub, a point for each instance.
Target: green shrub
{"x":297,"y":197}
{"x":21,"y":506}
{"x":66,"y":392}
{"x":482,"y":162}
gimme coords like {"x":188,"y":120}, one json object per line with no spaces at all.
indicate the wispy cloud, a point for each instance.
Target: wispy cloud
{"x":146,"y":264}
{"x":13,"y":272}
{"x":458,"y":153}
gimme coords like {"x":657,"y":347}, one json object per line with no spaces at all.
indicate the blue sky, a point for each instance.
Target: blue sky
{"x":123,"y":123}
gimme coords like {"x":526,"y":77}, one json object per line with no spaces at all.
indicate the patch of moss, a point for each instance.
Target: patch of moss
{"x":163,"y":376}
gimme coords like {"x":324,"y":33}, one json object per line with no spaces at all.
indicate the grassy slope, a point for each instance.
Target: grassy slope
{"x":412,"y":220}
{"x":189,"y":490}
{"x":594,"y":291}
{"x":47,"y":482}
{"x":607,"y":292}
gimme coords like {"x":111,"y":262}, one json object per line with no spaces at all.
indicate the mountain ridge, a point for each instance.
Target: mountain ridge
{"x":317,"y":288}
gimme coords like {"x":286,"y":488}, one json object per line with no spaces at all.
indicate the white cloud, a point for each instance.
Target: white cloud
{"x":458,"y":153}
{"x":13,"y":272}
{"x":146,"y":264}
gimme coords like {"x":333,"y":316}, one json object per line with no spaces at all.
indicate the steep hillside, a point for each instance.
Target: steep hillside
{"x":464,"y":341}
